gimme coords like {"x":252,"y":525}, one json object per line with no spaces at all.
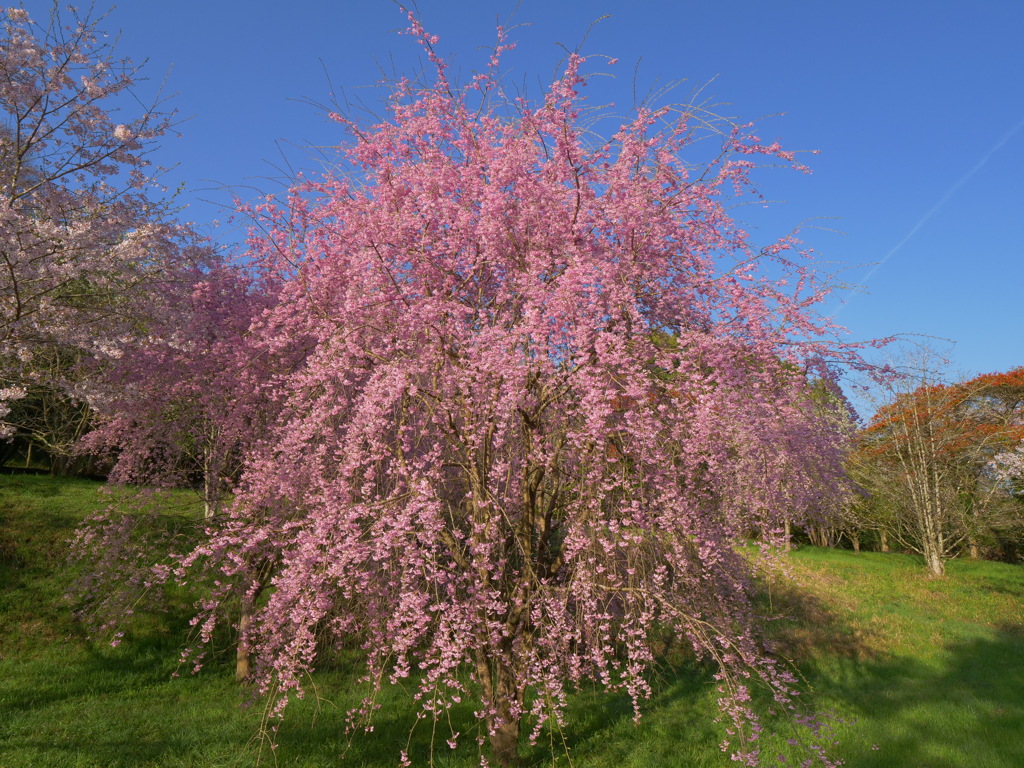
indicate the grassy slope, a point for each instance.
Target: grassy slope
{"x":933,"y":672}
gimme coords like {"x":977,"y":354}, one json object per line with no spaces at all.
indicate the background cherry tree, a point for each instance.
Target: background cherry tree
{"x":179,"y":407}
{"x":543,"y":387}
{"x":89,"y":249}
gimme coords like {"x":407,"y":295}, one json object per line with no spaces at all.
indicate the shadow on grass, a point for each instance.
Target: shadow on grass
{"x":599,"y":731}
{"x":676,"y":727}
{"x":799,"y":626}
{"x":112,"y":707}
{"x":965,"y":711}
{"x":120,"y":708}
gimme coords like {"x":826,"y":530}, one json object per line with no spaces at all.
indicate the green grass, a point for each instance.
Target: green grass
{"x":931,"y":671}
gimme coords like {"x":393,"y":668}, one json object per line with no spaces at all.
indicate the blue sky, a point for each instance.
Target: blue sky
{"x":917,"y":110}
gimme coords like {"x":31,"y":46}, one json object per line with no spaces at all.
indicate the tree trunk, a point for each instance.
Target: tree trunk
{"x":855,"y":538}
{"x":972,"y":542}
{"x":884,"y":534}
{"x":933,"y":551}
{"x":211,"y":487}
{"x":242,"y":656}
{"x":505,"y":744}
{"x":930,"y":530}
{"x":498,"y":682}
{"x":934,"y":563}
{"x":789,"y":535}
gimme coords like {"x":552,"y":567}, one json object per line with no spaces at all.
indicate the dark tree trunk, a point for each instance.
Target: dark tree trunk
{"x":505,"y":744}
{"x":498,"y":681}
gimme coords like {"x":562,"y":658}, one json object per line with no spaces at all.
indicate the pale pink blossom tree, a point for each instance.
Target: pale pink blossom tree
{"x":84,"y":241}
{"x":1009,"y":465}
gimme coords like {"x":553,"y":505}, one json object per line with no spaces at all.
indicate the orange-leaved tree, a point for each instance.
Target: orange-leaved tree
{"x":923,"y":461}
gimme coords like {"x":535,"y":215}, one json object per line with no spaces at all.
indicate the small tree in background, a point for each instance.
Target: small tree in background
{"x":924,"y":460}
{"x":481,"y":472}
{"x":180,"y":406}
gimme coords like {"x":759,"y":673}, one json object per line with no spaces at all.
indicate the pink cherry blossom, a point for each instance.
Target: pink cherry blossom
{"x":542,"y":387}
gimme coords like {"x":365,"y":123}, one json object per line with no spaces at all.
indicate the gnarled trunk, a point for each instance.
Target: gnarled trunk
{"x":243,"y":663}
{"x":505,"y":743}
{"x":500,"y":690}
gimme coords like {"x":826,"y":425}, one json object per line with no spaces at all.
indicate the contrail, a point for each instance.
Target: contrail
{"x":934,"y":209}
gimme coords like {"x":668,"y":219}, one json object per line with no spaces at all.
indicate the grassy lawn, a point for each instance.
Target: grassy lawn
{"x":932,"y":673}
{"x":931,"y":670}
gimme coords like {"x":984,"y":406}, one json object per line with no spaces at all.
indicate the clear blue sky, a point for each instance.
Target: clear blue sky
{"x":917,"y":109}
